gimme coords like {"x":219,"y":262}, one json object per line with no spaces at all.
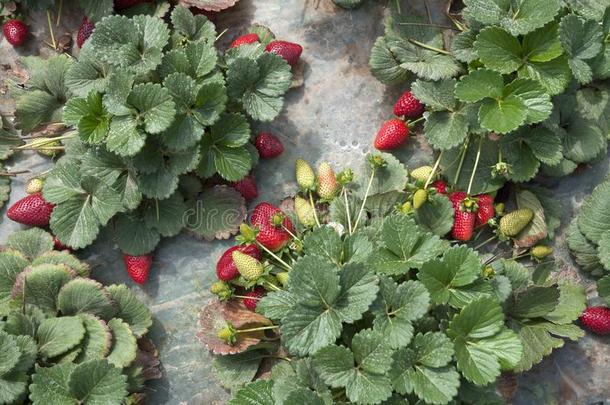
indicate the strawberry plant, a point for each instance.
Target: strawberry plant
{"x":588,"y":238}
{"x":517,"y":89}
{"x":357,"y":297}
{"x":158,"y":127}
{"x":64,"y":337}
{"x":8,"y":140}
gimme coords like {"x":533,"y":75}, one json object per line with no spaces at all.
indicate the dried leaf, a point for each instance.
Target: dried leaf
{"x":209,"y":5}
{"x":215,"y":315}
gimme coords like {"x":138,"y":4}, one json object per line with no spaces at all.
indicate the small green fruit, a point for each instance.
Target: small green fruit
{"x":283,"y":278}
{"x":250,"y":268}
{"x":304,"y":211}
{"x":421,"y":173}
{"x":540,"y":252}
{"x":306,"y":178}
{"x":514,"y":222}
{"x":419,"y":198}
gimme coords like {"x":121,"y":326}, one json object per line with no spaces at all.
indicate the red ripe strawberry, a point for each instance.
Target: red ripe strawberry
{"x":486,"y":211}
{"x":138,"y":267}
{"x":463,"y":221}
{"x":596,"y":319}
{"x":15,"y":32}
{"x":123,"y":4}
{"x":58,"y":245}
{"x":440,"y":186}
{"x":247,"y":187}
{"x":391,"y":135}
{"x":268,"y":145}
{"x":256,"y":294}
{"x":226,"y":269}
{"x":287,"y":50}
{"x":408,"y":106}
{"x":31,"y":210}
{"x":269,"y":220}
{"x":84,"y":32}
{"x":245,"y":39}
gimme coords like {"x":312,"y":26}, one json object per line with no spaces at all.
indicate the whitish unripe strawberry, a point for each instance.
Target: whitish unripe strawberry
{"x":306,"y":179}
{"x":421,"y":173}
{"x":304,"y":211}
{"x":327,"y":182}
{"x":248,"y":266}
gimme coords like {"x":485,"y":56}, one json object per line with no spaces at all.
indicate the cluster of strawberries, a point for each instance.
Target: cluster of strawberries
{"x":240,"y":269}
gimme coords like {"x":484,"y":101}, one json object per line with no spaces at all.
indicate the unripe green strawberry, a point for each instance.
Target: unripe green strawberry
{"x":514,"y":222}
{"x":306,"y":178}
{"x":34,"y":185}
{"x":222,"y":290}
{"x":304,"y":211}
{"x":47,"y":146}
{"x":406,"y":208}
{"x":248,"y":266}
{"x":419,"y":198}
{"x":421,"y":173}
{"x":283,"y":277}
{"x":228,"y":334}
{"x":327,"y":182}
{"x":540,"y":252}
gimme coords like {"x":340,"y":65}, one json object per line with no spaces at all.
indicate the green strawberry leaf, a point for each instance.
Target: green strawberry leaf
{"x":258,"y":392}
{"x":447,"y":129}
{"x":537,"y":101}
{"x":385,"y":65}
{"x":130,"y":43}
{"x":519,"y":17}
{"x":31,"y":242}
{"x":41,"y":285}
{"x":325,"y":299}
{"x":437,"y":95}
{"x":134,"y":236}
{"x":582,"y":41}
{"x":124,"y":346}
{"x":97,"y":341}
{"x":498,"y":50}
{"x":83,"y":205}
{"x":584,"y":252}
{"x":84,"y":295}
{"x":427,"y":64}
{"x":543,"y":44}
{"x":130,"y":309}
{"x":97,"y":381}
{"x":95,"y":10}
{"x":478,"y":85}
{"x":238,"y":369}
{"x":56,"y":336}
{"x":603,"y":288}
{"x":363,"y":371}
{"x":445,"y":277}
{"x":594,"y":215}
{"x":50,"y":384}
{"x":483,"y":345}
{"x":404,"y":246}
{"x":12,"y":262}
{"x":202,"y":219}
{"x":503,"y":115}
{"x":260,"y":84}
{"x":396,"y":307}
{"x":436,"y":215}
{"x":422,"y":369}
{"x":391,"y":177}
{"x":190,"y":27}
{"x":462,"y":46}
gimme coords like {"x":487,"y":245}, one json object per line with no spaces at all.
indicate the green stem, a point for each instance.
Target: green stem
{"x":429,"y":47}
{"x":414,"y":122}
{"x":349,"y":220}
{"x":246,"y":298}
{"x":434,"y":169}
{"x":221,"y":34}
{"x":61,"y":4}
{"x":13,"y":174}
{"x":476,"y":164}
{"x":366,"y":195}
{"x":480,"y":245}
{"x":272,"y":286}
{"x":462,"y":157}
{"x":313,"y":207}
{"x":51,"y":29}
{"x":257,"y":329}
{"x":291,"y":234}
{"x":276,"y":257}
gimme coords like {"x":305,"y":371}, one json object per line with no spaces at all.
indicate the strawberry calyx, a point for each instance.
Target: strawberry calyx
{"x":469,"y":204}
{"x":277,"y":219}
{"x":345,"y":177}
{"x":376,"y":162}
{"x":247,"y":234}
{"x":228,"y":333}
